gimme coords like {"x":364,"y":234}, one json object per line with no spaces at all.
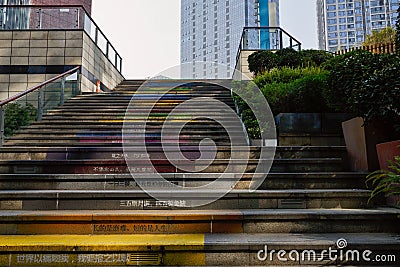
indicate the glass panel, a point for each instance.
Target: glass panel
{"x":267,"y":39}
{"x":118,"y":64}
{"x":111,"y":54}
{"x":25,"y":110}
{"x":89,"y":27}
{"x":47,"y":18}
{"x":102,"y":42}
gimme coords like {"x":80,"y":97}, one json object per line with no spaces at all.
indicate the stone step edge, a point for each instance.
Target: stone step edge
{"x":195,"y":215}
{"x":235,"y":193}
{"x":98,"y":149}
{"x":294,"y":175}
{"x":192,"y":242}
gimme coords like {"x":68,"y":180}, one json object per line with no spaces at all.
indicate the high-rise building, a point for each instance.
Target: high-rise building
{"x":345,"y":23}
{"x":211,"y":31}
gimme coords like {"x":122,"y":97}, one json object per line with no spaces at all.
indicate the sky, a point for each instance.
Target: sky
{"x":146,"y":33}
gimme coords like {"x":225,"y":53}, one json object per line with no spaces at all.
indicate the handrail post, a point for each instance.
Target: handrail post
{"x":1,"y":19}
{"x":107,"y":49}
{"x":40,"y":105}
{"x":2,"y":115}
{"x":77,"y":18}
{"x":62,"y":91}
{"x":78,"y":81}
{"x":40,"y":18}
{"x":96,"y":35}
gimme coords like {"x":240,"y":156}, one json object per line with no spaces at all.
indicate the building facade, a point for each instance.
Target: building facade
{"x":211,"y":31}
{"x":87,"y":4}
{"x":343,"y":24}
{"x":43,"y":18}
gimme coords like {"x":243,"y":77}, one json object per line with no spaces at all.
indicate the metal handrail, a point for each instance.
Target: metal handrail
{"x":37,"y":87}
{"x":48,"y":6}
{"x":272,"y":28}
{"x":40,"y":98}
{"x":292,"y":39}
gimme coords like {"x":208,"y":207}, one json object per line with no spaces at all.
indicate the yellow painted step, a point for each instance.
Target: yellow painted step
{"x":82,"y":243}
{"x":102,"y":250}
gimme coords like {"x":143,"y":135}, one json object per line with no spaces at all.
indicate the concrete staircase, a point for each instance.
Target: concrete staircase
{"x":67,"y":198}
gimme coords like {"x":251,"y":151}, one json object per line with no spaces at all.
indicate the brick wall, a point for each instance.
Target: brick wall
{"x":86,"y":3}
{"x":66,"y":18}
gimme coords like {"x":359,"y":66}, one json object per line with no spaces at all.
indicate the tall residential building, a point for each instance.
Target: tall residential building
{"x":211,"y":31}
{"x":345,"y":23}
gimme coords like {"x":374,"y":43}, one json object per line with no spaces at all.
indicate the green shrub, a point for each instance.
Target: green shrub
{"x":287,"y":90}
{"x":397,"y":37}
{"x":288,"y":57}
{"x":314,"y":57}
{"x":261,"y":61}
{"x":386,"y":181}
{"x":303,"y":94}
{"x":365,"y":84}
{"x":285,"y":75}
{"x":17,"y":116}
{"x":264,"y":61}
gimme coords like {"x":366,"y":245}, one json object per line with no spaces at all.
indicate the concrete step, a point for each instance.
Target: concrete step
{"x":195,"y":249}
{"x":273,"y":181}
{"x":139,"y":200}
{"x":86,"y":222}
{"x":162,"y":166}
{"x":119,"y":121}
{"x":148,"y":99}
{"x":95,"y":142}
{"x":141,"y":118}
{"x":71,"y":153}
{"x":111,"y":111}
{"x":75,"y":132}
{"x":117,"y":125}
{"x":193,"y":138}
{"x":172,"y":100}
{"x":317,"y":139}
{"x":155,"y":94}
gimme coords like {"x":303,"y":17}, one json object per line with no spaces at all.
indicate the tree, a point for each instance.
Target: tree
{"x":385,"y":36}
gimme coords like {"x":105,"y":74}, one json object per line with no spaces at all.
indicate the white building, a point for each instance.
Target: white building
{"x":211,"y":31}
{"x":345,"y":23}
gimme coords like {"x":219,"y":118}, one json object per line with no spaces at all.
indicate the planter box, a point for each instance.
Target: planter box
{"x":393,"y":201}
{"x":387,"y":152}
{"x":361,"y":143}
{"x":311,"y":129}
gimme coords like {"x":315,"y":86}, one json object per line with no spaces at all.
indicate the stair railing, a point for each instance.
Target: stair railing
{"x":30,"y":105}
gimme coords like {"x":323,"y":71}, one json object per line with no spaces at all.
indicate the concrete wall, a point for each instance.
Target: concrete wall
{"x":28,"y":58}
{"x":243,"y":65}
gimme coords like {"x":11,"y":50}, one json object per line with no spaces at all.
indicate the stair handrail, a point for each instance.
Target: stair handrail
{"x":37,"y":87}
{"x":30,"y":90}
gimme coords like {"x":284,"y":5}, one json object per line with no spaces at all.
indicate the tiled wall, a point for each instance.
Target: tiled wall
{"x":28,"y":58}
{"x":98,"y":66}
